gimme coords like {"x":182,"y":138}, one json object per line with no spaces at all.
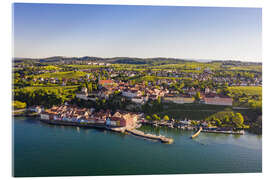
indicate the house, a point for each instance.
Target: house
{"x":131,"y":93}
{"x":185,"y":122}
{"x":83,"y":94}
{"x":218,"y":100}
{"x":138,"y":100}
{"x":179,"y":99}
{"x":105,"y":83}
{"x":45,"y":116}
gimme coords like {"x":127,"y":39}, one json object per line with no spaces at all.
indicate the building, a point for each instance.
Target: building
{"x":179,"y":99}
{"x":83,"y":94}
{"x":218,"y":100}
{"x":131,"y":93}
{"x":105,"y":83}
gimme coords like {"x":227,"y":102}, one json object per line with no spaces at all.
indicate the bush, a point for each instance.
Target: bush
{"x":155,"y":117}
{"x":18,"y":105}
{"x":166,"y":118}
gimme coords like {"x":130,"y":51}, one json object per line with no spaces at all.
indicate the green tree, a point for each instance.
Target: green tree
{"x":238,"y":120}
{"x":90,"y":87}
{"x":197,"y":96}
{"x":218,"y":122}
{"x":166,"y":118}
{"x":156,"y":117}
{"x":148,"y":117}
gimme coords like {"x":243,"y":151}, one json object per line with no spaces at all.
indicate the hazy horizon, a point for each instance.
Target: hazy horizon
{"x":195,"y":33}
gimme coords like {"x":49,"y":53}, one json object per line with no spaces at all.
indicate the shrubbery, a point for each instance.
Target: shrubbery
{"x":227,"y":119}
{"x":18,"y":105}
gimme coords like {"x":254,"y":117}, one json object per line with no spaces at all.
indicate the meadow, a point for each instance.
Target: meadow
{"x":248,"y":90}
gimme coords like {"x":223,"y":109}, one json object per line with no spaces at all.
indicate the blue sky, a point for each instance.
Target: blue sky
{"x":43,"y":30}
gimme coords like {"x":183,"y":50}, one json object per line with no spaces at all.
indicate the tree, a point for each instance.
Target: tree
{"x":90,"y":87}
{"x":238,"y":120}
{"x":227,"y":119}
{"x":218,"y":122}
{"x":159,"y":100}
{"x":156,"y":117}
{"x":166,"y":118}
{"x":148,"y":117}
{"x":197,"y":96}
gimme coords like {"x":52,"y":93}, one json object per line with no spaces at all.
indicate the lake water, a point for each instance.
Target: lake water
{"x":47,"y":150}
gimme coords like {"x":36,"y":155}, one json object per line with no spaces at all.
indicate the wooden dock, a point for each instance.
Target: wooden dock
{"x":197,"y":133}
{"x":150,"y":136}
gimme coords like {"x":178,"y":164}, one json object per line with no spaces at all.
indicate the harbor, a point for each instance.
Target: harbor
{"x":123,"y":122}
{"x":136,"y":132}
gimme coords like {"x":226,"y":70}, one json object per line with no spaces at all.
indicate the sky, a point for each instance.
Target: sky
{"x":220,"y":33}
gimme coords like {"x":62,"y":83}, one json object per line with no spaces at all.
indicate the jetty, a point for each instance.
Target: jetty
{"x":163,"y":139}
{"x":197,"y":133}
{"x":225,"y":132}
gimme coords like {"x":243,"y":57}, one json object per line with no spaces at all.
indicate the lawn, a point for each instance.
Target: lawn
{"x":249,"y":90}
{"x":68,"y":74}
{"x":51,"y":88}
{"x":190,"y":111}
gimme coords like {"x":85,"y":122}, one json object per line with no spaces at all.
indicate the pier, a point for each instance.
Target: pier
{"x":150,"y":136}
{"x":197,"y":133}
{"x":225,"y":132}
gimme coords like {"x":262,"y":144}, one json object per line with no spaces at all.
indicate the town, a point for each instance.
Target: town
{"x":218,"y":96}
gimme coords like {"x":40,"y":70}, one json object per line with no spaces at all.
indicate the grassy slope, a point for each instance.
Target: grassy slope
{"x":68,"y":74}
{"x":249,"y":90}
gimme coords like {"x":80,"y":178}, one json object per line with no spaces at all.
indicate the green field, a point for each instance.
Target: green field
{"x":50,"y":88}
{"x":68,"y":74}
{"x":190,"y":111}
{"x":246,"y":68}
{"x":249,"y":90}
{"x":50,"y":67}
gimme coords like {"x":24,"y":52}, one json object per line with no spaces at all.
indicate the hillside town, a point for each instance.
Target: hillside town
{"x":175,"y":91}
{"x":141,"y":93}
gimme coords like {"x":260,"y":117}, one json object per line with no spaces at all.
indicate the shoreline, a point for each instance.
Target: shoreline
{"x":116,"y":129}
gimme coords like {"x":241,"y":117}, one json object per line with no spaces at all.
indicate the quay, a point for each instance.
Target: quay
{"x":197,"y":133}
{"x":163,"y":139}
{"x":115,"y":129}
{"x":64,"y":123}
{"x":225,"y":132}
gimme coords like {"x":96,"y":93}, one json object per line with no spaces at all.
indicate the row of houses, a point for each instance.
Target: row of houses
{"x":89,"y":116}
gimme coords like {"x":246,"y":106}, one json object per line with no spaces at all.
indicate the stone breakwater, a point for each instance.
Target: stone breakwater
{"x":150,"y":136}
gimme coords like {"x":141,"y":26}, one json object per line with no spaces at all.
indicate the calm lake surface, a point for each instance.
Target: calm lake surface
{"x":47,"y":150}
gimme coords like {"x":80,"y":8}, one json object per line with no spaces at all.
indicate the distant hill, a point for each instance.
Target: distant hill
{"x":114,"y":60}
{"x":122,"y":60}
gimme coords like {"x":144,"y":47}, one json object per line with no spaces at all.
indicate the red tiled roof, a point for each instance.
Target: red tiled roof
{"x":105,"y":82}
